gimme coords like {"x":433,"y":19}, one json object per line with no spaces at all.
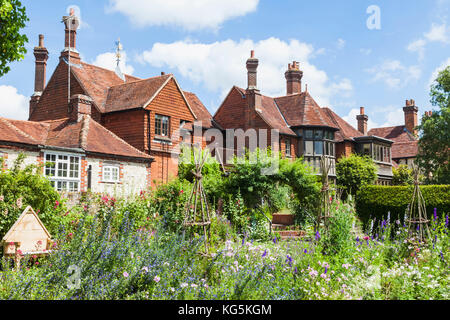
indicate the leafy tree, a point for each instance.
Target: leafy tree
{"x":403,"y":176}
{"x":434,"y":142}
{"x":355,"y":172}
{"x":12,"y":42}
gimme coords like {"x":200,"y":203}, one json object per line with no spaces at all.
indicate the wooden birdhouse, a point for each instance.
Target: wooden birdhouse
{"x":27,"y":236}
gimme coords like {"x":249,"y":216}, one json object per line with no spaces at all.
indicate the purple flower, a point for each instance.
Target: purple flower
{"x":446,"y":220}
{"x":435,"y":214}
{"x":317,"y":235}
{"x":274,"y":240}
{"x":305,"y":251}
{"x":265,"y":253}
{"x":326,"y":270}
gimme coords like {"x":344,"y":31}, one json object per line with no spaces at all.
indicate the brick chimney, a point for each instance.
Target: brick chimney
{"x":80,"y":105}
{"x":252,"y":66}
{"x":411,"y":120}
{"x":362,"y":121}
{"x":253,"y":94}
{"x":41,"y":56}
{"x":71,"y":23}
{"x":293,"y":78}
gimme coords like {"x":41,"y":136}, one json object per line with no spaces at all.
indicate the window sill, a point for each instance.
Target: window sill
{"x":111,"y":182}
{"x":163,"y":138}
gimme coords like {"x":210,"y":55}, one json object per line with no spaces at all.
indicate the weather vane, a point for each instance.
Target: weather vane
{"x":119,"y":48}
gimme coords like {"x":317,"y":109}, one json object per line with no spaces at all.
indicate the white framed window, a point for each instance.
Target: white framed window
{"x":63,"y":170}
{"x":111,"y":173}
{"x":162,"y":125}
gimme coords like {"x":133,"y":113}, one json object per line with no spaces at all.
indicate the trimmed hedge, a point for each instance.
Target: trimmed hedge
{"x":376,"y":201}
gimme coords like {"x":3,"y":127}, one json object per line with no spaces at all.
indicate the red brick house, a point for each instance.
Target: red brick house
{"x":146,"y":113}
{"x":406,"y":144}
{"x":305,"y":129}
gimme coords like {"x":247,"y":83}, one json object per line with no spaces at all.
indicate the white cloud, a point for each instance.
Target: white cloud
{"x":394,"y":74}
{"x":419,"y":47}
{"x":340,"y":43}
{"x":365,"y":51}
{"x":435,"y":73}
{"x":12,"y":104}
{"x":220,"y":65}
{"x":108,"y":60}
{"x":188,"y":14}
{"x":438,"y":33}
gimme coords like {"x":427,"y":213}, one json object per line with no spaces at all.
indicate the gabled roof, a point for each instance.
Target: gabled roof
{"x":346,"y":131}
{"x":301,"y":110}
{"x":405,"y":144}
{"x":271,"y":114}
{"x":85,"y":134}
{"x":96,"y":81}
{"x":134,"y":94}
{"x":110,"y":93}
{"x":200,"y":110}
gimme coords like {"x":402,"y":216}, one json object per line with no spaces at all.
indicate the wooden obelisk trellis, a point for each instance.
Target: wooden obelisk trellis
{"x":197,"y":212}
{"x":417,"y":215}
{"x":324,"y":213}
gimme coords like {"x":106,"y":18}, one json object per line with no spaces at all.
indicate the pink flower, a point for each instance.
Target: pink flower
{"x":36,"y":263}
{"x":125,"y":274}
{"x":156,"y":279}
{"x":366,"y":238}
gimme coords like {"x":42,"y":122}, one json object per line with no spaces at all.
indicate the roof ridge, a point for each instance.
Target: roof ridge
{"x":140,"y":80}
{"x":13,"y":127}
{"x":95,"y":66}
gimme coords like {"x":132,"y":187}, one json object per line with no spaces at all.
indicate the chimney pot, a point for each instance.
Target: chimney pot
{"x":362,"y":121}
{"x":293,"y":79}
{"x":361,"y":111}
{"x":163,"y":73}
{"x":41,"y":41}
{"x":252,"y":53}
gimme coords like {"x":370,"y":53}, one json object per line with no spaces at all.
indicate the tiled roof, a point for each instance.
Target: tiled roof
{"x":271,"y":114}
{"x":301,"y":110}
{"x":199,"y":109}
{"x":96,"y":81}
{"x":86,"y":134}
{"x":133,"y":94}
{"x":405,"y":144}
{"x":346,"y":131}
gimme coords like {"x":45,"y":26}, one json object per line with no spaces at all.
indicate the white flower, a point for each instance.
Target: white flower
{"x":183,"y":285}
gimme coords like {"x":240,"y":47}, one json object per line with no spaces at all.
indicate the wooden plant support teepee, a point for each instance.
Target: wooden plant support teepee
{"x":324,"y":213}
{"x":417,"y":215}
{"x":197,"y":211}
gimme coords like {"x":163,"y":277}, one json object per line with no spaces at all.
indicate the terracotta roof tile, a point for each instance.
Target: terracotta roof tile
{"x":86,"y":134}
{"x":302,"y":110}
{"x":405,"y":144}
{"x":346,"y":131}
{"x":133,"y":94}
{"x":97,"y":80}
{"x":199,"y":109}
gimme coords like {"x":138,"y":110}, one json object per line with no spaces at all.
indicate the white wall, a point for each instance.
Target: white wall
{"x":134,"y":178}
{"x":31,"y":157}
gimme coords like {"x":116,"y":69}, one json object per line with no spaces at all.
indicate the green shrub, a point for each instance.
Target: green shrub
{"x":402,"y":176}
{"x":338,"y":238}
{"x":376,"y":201}
{"x":355,"y":172}
{"x":170,"y":201}
{"x":26,"y":186}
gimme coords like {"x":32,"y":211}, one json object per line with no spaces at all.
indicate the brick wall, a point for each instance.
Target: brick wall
{"x":53,"y":103}
{"x":128,"y":125}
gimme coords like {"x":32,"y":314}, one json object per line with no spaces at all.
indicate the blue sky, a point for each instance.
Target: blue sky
{"x":205,"y":44}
